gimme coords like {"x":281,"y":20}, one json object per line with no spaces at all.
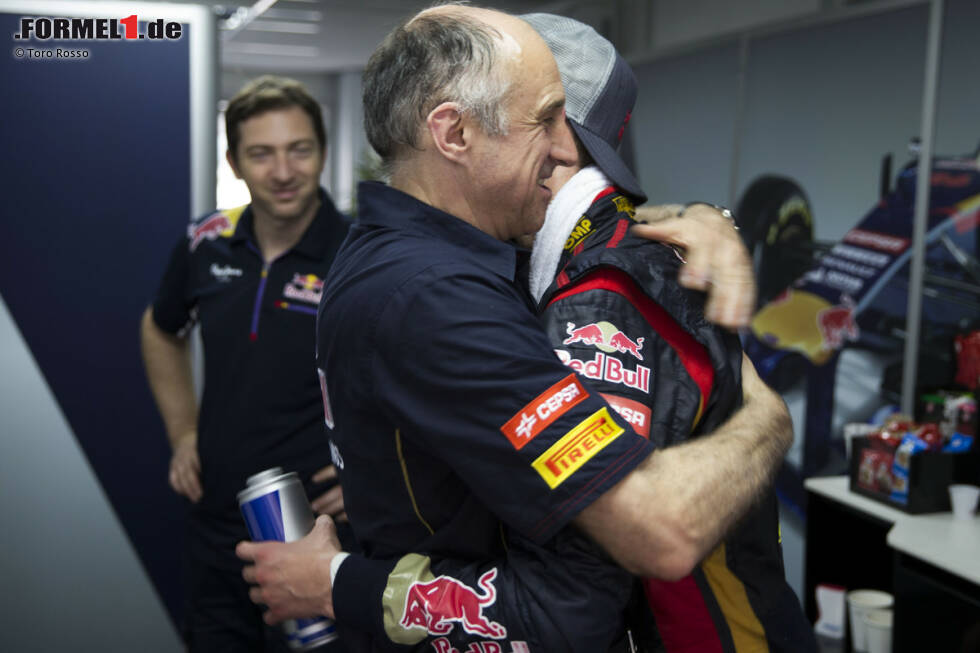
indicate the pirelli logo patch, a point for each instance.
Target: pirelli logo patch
{"x":575,"y":448}
{"x":543,"y":411}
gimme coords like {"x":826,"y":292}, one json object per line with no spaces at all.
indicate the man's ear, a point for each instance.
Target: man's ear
{"x":230,"y":158}
{"x":449,"y":131}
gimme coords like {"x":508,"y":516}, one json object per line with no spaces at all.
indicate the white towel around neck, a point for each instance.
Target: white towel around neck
{"x":565,"y":209}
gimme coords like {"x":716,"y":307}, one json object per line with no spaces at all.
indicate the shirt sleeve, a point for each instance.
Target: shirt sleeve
{"x":470,"y":378}
{"x":173,"y":307}
{"x":566,"y":596}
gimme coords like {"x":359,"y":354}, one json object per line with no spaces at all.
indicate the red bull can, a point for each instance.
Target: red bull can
{"x":275,"y":507}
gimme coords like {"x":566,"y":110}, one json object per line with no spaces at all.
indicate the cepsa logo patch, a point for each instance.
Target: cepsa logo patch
{"x":543,"y":411}
{"x":577,"y":447}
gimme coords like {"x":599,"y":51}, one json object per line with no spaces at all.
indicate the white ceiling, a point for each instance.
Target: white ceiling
{"x":318,"y":36}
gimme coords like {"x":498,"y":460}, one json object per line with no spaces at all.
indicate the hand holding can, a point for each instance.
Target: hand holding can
{"x":275,"y":508}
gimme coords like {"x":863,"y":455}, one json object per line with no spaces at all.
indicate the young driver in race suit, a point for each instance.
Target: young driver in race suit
{"x":623,"y":321}
{"x":563,"y":596}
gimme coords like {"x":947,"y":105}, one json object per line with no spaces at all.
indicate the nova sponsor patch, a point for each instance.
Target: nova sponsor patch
{"x":543,"y":411}
{"x":604,"y":367}
{"x":437,"y":605}
{"x":577,"y":447}
{"x":305,"y":288}
{"x":635,"y":413}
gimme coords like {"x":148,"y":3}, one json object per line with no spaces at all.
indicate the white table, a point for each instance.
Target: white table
{"x":930,"y":562}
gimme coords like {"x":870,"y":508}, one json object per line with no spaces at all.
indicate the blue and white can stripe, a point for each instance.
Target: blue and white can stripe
{"x":275,"y":508}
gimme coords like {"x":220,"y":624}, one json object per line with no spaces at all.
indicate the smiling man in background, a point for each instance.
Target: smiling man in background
{"x":252,"y":278}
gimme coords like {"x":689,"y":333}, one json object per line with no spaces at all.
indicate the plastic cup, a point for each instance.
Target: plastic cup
{"x":860,"y":603}
{"x":964,"y":500}
{"x":878,"y":628}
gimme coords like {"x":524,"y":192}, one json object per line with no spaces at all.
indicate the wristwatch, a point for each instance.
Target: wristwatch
{"x":725,"y":212}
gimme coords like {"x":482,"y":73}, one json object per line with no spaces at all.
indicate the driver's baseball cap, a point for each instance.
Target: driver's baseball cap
{"x":600,"y":91}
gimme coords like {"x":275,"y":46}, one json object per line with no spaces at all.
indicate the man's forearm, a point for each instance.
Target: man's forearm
{"x":168,"y":369}
{"x":662,"y":519}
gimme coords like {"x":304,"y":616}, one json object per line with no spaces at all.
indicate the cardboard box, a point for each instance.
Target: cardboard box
{"x":930,"y":474}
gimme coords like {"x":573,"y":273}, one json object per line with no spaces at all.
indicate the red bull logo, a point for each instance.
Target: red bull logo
{"x":209,"y":229}
{"x":437,"y":605}
{"x":837,"y":324}
{"x":608,"y":368}
{"x":605,"y":336}
{"x":304,"y":287}
{"x":442,"y":645}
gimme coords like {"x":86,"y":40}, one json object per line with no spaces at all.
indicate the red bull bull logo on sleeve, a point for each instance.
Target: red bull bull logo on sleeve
{"x":606,"y":337}
{"x":208,"y":229}
{"x":439,"y":604}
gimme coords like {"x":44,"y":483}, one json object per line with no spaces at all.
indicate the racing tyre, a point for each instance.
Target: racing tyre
{"x":776,"y":224}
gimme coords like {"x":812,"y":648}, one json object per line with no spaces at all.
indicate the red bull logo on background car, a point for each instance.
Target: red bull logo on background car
{"x":437,"y":605}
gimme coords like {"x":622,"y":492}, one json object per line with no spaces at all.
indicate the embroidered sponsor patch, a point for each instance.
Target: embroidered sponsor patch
{"x":208,"y":229}
{"x":439,"y":604}
{"x":604,"y":367}
{"x":577,"y":447}
{"x":305,"y":288}
{"x":623,"y":205}
{"x":543,"y":411}
{"x":605,"y":336}
{"x":583,"y":228}
{"x":443,"y":645}
{"x":224,"y":272}
{"x":635,"y":413}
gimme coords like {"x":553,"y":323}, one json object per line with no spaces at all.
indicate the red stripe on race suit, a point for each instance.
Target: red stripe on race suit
{"x":683,"y":620}
{"x":693,"y":356}
{"x":617,"y":237}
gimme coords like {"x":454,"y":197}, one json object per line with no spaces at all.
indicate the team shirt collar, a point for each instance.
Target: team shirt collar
{"x":381,"y":205}
{"x":316,"y":238}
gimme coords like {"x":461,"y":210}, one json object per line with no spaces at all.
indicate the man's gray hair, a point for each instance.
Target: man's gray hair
{"x":433,"y":58}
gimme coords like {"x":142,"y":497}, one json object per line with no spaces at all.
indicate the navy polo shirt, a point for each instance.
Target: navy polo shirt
{"x":261,"y":405}
{"x":448,"y":410}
